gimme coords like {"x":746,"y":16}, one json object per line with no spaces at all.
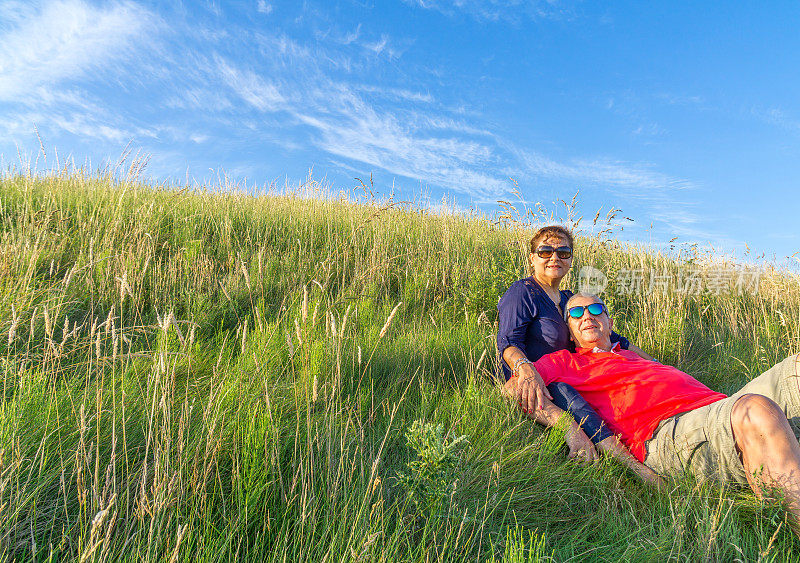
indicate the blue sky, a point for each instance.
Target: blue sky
{"x":685,"y":115}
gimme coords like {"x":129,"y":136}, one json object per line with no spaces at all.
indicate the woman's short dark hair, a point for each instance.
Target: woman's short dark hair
{"x":550,"y":231}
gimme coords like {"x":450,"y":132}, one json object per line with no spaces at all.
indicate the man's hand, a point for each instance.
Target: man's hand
{"x":579,"y":444}
{"x":616,"y":449}
{"x":531,"y":390}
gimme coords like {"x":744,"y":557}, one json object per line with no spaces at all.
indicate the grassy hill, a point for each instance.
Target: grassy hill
{"x":217,"y":376}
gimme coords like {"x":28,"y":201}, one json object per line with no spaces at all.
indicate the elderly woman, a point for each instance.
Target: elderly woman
{"x":532,"y":325}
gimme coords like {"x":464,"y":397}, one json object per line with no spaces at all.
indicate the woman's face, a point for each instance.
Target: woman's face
{"x":554,"y":268}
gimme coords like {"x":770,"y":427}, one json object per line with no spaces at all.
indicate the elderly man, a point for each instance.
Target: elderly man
{"x":671,"y":422}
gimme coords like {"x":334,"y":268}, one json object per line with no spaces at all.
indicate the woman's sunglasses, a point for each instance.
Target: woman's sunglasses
{"x":545,"y":251}
{"x":595,"y":309}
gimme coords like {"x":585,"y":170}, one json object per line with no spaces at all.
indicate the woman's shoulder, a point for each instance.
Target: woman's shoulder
{"x":523,"y":284}
{"x":524,"y":289}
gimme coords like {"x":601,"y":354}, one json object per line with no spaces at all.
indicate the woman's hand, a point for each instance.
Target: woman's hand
{"x":532,"y":393}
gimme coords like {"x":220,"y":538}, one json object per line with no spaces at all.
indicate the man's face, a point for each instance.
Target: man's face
{"x":589,"y":330}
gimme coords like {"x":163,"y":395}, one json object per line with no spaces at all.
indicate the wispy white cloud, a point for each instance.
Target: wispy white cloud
{"x":396,"y":93}
{"x":264,"y":7}
{"x":380,"y":46}
{"x":282,"y":50}
{"x":50,"y":50}
{"x":636,"y":180}
{"x":65,"y":39}
{"x":387,"y":128}
{"x":403,"y":132}
{"x":352,"y":36}
{"x":339,"y":38}
{"x":498,"y":10}
{"x":777,"y":116}
{"x":83,"y":125}
{"x":353,"y":129}
{"x":198,"y":98}
{"x":253,"y":89}
{"x":680,"y":99}
{"x":648,"y":129}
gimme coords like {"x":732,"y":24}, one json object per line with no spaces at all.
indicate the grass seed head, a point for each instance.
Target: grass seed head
{"x":344,"y":322}
{"x":289,"y":344}
{"x":305,"y":303}
{"x":246,"y":274}
{"x":389,"y":320}
{"x":48,"y":325}
{"x":12,"y":332}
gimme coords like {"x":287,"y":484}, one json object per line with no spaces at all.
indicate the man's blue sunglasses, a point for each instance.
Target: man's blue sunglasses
{"x":595,"y":309}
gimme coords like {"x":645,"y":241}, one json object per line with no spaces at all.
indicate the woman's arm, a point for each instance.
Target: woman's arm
{"x":530,"y":387}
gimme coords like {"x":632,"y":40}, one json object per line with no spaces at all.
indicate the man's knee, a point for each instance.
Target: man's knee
{"x":756,"y":413}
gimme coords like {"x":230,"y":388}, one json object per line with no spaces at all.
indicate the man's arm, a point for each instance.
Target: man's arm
{"x":580,"y":445}
{"x":616,"y":449}
{"x":578,"y":442}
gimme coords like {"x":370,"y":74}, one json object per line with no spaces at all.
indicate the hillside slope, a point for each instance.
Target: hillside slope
{"x":216,"y":375}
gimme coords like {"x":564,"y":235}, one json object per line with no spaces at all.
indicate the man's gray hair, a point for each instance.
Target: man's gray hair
{"x":581,"y":294}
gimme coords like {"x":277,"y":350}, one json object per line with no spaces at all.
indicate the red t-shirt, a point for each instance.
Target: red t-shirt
{"x":630,"y":393}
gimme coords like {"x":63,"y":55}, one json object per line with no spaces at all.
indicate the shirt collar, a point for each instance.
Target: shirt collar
{"x":615,"y":348}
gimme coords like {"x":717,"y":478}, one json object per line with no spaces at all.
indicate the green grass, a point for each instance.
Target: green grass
{"x":211,"y":376}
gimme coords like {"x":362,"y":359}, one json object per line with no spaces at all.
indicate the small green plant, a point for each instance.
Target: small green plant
{"x":432,"y":476}
{"x":519,"y":550}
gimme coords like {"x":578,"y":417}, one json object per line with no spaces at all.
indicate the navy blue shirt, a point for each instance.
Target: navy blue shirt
{"x":531,"y":321}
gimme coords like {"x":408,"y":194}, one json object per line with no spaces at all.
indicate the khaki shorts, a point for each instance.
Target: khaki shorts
{"x":701,"y":441}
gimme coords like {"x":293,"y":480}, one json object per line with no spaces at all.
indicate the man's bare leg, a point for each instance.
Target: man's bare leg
{"x":770,"y":452}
